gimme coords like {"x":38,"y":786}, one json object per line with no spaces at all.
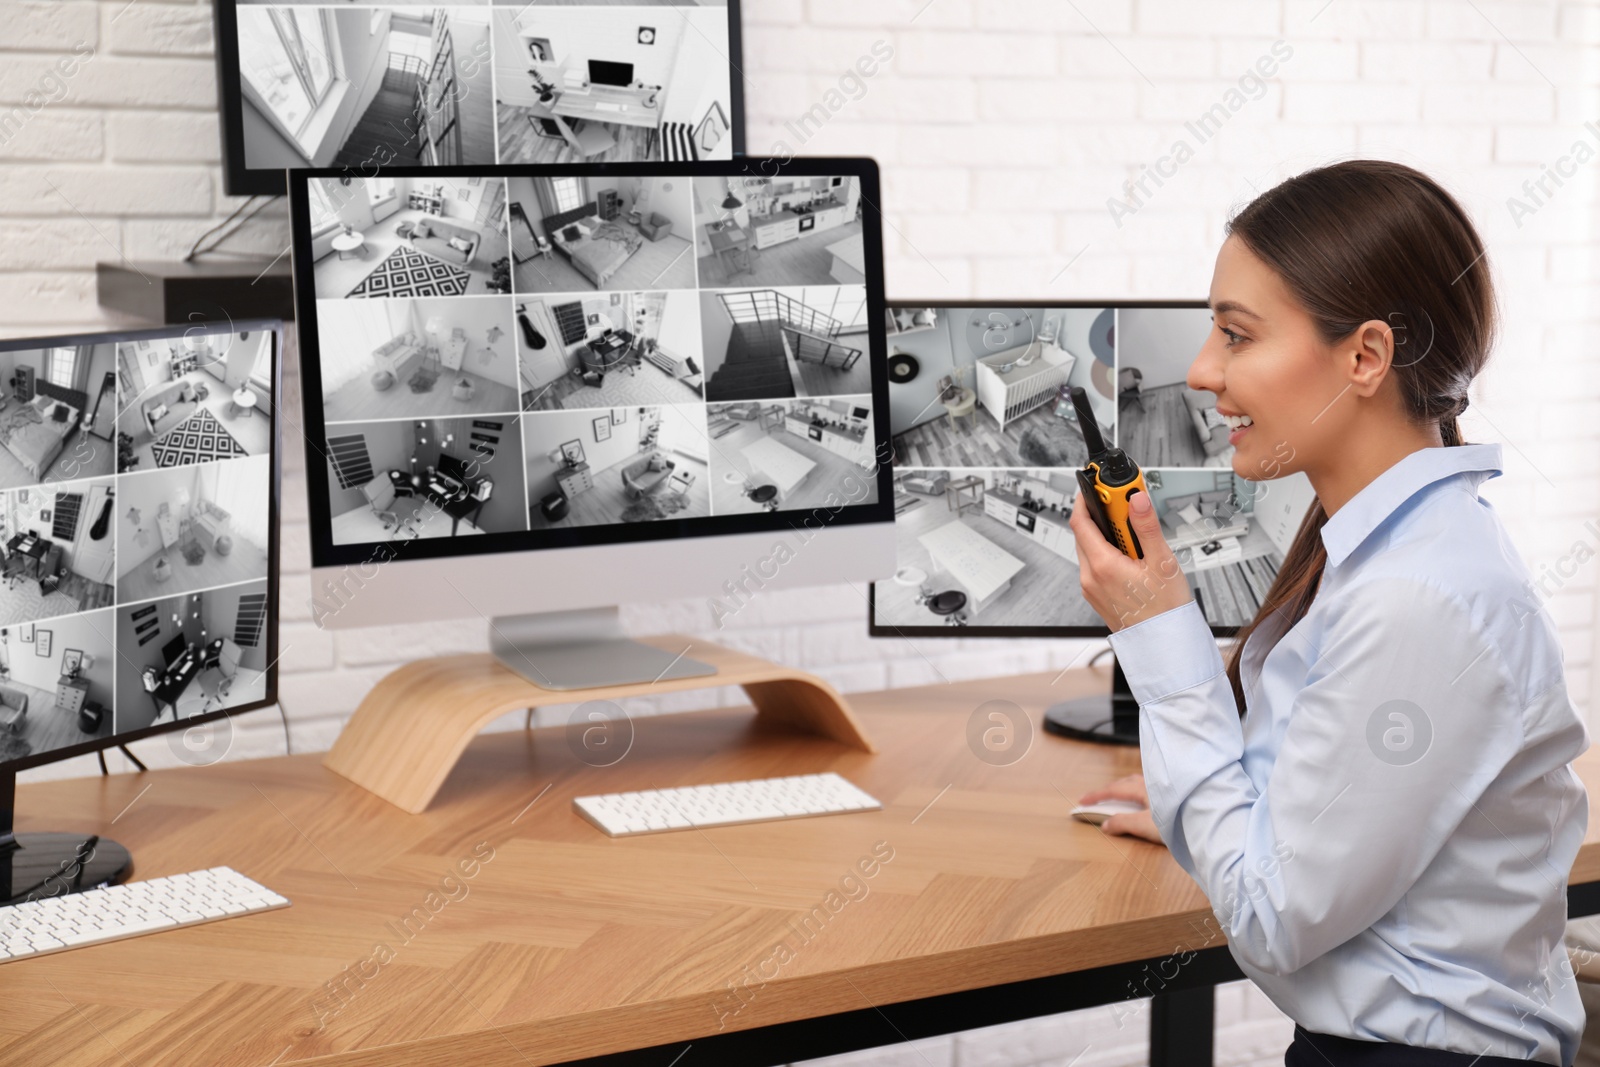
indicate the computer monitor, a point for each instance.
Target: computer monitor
{"x":986,"y":442}
{"x":607,"y":72}
{"x":174,"y":649}
{"x":366,"y":86}
{"x":725,"y":440}
{"x":139,"y":475}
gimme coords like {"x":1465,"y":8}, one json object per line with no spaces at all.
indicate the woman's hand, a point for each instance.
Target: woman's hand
{"x":1122,"y":589}
{"x":1134,"y":823}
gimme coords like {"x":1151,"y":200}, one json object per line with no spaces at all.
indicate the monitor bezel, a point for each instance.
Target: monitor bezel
{"x":876,"y":629}
{"x":240,"y":180}
{"x":325,"y":554}
{"x":274,"y":546}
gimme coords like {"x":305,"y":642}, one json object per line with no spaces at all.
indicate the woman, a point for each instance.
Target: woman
{"x":1374,"y":793}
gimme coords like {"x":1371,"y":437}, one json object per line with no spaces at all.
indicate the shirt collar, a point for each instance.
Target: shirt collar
{"x":1352,"y":524}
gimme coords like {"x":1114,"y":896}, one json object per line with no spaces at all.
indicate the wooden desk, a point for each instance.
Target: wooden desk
{"x":568,"y":944}
{"x":609,"y":103}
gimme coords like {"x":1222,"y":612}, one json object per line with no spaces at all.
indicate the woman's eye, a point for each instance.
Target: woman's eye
{"x":1233,"y":338}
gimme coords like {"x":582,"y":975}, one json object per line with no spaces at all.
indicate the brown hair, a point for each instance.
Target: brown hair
{"x":1361,"y":240}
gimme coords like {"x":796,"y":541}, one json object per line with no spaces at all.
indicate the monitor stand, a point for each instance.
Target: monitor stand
{"x":1108,"y":718}
{"x":411,"y":728}
{"x":584,"y":649}
{"x":39,"y":865}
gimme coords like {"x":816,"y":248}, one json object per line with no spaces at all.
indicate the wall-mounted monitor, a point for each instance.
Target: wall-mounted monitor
{"x":366,"y":86}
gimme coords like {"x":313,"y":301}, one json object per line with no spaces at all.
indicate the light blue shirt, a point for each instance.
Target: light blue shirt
{"x":1386,"y":838}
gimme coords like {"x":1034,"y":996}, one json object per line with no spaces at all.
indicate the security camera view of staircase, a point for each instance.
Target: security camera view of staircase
{"x":774,"y":344}
{"x":355,"y":88}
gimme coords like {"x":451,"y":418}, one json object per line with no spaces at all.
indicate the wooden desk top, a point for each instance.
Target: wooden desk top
{"x":565,"y":943}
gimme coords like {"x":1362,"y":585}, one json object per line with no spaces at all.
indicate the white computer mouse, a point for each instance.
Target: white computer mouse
{"x":1101,"y":810}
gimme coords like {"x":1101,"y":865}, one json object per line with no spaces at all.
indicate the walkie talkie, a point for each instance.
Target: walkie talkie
{"x":1109,"y":480}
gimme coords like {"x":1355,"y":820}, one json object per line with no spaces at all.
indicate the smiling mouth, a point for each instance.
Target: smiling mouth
{"x":1238,"y":426}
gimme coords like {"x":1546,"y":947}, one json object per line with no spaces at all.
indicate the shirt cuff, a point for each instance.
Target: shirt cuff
{"x":1167,"y":653}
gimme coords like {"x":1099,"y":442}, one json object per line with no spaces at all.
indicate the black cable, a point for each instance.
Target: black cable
{"x":100,"y":754}
{"x":137,"y":762}
{"x":284,"y":715}
{"x":196,"y":251}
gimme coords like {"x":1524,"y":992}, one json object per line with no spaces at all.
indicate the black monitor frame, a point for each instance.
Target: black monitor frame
{"x":874,"y":629}
{"x":609,"y":66}
{"x":240,"y":180}
{"x":9,"y":768}
{"x":324,"y":553}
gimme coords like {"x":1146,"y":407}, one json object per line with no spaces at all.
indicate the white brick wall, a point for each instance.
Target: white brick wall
{"x":1002,"y":126}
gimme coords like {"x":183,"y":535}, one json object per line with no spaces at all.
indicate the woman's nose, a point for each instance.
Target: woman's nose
{"x":1205,"y":372}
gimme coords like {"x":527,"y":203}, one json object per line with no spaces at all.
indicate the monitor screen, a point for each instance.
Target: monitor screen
{"x":607,"y":72}
{"x":360,"y":87}
{"x":588,"y":360}
{"x":138,"y":521}
{"x":986,"y":446}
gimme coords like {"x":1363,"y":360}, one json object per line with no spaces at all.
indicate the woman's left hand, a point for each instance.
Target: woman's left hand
{"x":1123,"y":590}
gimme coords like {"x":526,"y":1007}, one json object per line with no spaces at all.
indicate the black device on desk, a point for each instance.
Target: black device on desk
{"x":1014,"y":573}
{"x":94,"y":528}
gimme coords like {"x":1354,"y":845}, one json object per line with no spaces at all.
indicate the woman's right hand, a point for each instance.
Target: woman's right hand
{"x":1134,"y":823}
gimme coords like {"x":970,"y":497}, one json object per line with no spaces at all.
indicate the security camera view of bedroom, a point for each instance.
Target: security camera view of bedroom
{"x":985,"y":466}
{"x":134,"y":475}
{"x":603,"y":377}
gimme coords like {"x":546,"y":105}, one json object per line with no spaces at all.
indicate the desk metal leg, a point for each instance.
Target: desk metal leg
{"x":1183,"y":1027}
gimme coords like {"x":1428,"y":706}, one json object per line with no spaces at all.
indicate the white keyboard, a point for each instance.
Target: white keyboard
{"x":606,"y":105}
{"x":57,"y":923}
{"x":727,"y":804}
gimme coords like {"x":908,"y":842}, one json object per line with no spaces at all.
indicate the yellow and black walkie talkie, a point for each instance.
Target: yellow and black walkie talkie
{"x":1109,"y":480}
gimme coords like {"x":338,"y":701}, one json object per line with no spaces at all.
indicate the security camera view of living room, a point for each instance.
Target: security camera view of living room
{"x":779,"y":231}
{"x":605,"y":350}
{"x":574,"y":234}
{"x":413,"y":356}
{"x":983,"y":547}
{"x":359,"y":87}
{"x":399,"y":480}
{"x":769,"y":344}
{"x":183,"y":529}
{"x":393,"y":237}
{"x":988,"y":387}
{"x":55,"y":683}
{"x":625,"y":464}
{"x":1230,"y":535}
{"x":789,"y":455}
{"x":58,"y":409}
{"x":193,"y":399}
{"x":191,"y":654}
{"x":1161,"y":422}
{"x":596,"y":83}
{"x":59,"y":550}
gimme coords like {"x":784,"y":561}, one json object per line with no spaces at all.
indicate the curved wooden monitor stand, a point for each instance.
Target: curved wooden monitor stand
{"x":409,"y":731}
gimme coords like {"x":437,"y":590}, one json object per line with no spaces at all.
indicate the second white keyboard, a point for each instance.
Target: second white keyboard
{"x":56,"y":923}
{"x":726,"y":804}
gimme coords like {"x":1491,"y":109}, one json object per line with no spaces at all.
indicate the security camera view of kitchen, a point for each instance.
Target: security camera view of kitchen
{"x":988,"y":547}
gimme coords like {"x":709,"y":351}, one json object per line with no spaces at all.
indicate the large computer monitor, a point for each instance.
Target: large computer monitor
{"x":986,"y":442}
{"x":361,"y":87}
{"x":139,"y":530}
{"x":552,"y":391}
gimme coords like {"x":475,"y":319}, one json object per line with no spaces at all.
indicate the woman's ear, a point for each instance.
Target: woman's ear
{"x":1368,"y":353}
